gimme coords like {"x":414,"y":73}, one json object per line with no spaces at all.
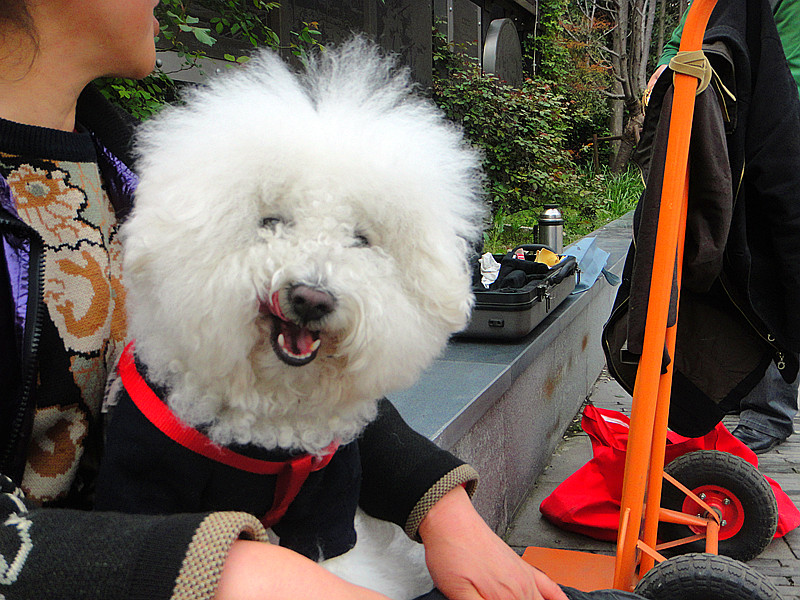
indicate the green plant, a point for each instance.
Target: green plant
{"x":507,"y":231}
{"x":306,"y":41}
{"x":245,"y":21}
{"x":610,"y":197}
{"x":621,"y":191}
{"x":185,"y":34}
{"x":140,"y":98}
{"x":567,"y":51}
{"x":521,"y":133}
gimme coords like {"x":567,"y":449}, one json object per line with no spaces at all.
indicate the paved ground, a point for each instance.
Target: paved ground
{"x":780,"y":561}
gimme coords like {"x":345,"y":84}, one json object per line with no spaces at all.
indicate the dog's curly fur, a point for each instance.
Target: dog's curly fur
{"x":334,"y":204}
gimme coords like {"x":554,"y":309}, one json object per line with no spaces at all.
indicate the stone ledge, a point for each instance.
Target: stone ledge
{"x":503,"y":406}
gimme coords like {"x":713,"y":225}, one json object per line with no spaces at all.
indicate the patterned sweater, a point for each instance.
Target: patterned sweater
{"x":63,"y":200}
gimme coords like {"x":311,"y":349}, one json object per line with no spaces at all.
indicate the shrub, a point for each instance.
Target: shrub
{"x":614,"y":195}
{"x":569,"y":52}
{"x":521,"y":133}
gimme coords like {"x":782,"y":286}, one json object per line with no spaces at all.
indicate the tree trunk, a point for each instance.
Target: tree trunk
{"x":620,"y":67}
{"x":630,"y":137}
{"x":616,"y":119}
{"x":648,"y":36}
{"x":631,"y":48}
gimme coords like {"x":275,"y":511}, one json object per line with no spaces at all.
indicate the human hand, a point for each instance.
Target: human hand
{"x":261,"y":571}
{"x":468,"y":561}
{"x":654,"y":77}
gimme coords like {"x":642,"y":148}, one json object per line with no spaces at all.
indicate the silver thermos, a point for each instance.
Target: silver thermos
{"x":551,"y":228}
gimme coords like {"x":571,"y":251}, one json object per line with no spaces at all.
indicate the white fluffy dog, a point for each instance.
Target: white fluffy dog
{"x":298,"y":249}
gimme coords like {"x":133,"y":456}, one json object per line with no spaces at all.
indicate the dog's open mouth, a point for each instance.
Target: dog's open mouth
{"x":293,"y":344}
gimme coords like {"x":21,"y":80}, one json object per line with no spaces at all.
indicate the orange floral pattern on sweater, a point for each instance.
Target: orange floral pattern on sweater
{"x":66,"y":204}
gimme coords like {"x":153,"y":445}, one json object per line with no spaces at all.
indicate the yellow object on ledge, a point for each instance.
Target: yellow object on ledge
{"x":548,"y":257}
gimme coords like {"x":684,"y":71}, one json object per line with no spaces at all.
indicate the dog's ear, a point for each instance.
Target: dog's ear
{"x":443,"y":277}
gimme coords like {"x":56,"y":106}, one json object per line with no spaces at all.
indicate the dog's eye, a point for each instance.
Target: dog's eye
{"x":361,"y":241}
{"x":271,"y":222}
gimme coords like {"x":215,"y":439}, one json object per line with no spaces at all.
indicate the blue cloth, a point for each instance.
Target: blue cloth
{"x":591,"y":262}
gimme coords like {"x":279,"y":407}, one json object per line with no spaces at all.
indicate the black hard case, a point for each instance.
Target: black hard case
{"x":509,"y":314}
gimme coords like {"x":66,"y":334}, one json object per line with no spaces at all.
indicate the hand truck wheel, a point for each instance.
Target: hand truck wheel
{"x":735,"y":489}
{"x":705,"y":577}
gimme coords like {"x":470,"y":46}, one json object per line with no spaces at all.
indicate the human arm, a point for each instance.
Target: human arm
{"x":250,"y":574}
{"x":426,"y":490}
{"x":452,"y":531}
{"x":59,"y":553}
{"x":669,"y":51}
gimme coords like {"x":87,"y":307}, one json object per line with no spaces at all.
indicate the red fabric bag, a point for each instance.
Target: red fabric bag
{"x":588,"y":501}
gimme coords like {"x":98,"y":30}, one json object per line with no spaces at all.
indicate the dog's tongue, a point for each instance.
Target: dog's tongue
{"x":297,"y":341}
{"x":294,"y":345}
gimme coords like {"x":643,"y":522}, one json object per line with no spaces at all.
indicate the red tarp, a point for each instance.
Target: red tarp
{"x":588,"y":501}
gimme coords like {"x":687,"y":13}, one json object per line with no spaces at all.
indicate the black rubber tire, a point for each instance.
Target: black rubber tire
{"x":758,"y":510}
{"x":705,"y":577}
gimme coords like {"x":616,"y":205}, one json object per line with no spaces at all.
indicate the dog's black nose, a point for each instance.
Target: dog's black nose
{"x":310,"y":304}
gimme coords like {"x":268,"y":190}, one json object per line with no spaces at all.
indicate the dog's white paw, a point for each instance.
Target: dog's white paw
{"x":384,"y":559}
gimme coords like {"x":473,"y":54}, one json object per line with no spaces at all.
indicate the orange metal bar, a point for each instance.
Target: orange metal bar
{"x":645,"y":392}
{"x":712,"y":513}
{"x":652,"y":554}
{"x":712,"y":537}
{"x":659,"y":443}
{"x":682,"y":541}
{"x":674,"y":516}
{"x":580,"y":570}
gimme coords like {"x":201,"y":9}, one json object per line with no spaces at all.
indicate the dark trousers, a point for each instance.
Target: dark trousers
{"x":770,"y":406}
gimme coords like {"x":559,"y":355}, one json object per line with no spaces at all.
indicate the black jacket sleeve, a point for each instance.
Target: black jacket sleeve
{"x":63,"y":553}
{"x":404,"y":473}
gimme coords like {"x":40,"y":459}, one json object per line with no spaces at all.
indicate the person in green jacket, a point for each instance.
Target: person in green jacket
{"x":767,"y":412}
{"x":787,"y":22}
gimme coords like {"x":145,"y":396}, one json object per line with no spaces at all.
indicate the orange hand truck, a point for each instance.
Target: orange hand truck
{"x":638,"y":565}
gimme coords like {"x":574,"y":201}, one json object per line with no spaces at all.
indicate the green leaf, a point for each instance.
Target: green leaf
{"x":203,"y":36}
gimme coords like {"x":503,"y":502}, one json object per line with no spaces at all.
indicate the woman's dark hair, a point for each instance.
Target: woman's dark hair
{"x":14,"y":15}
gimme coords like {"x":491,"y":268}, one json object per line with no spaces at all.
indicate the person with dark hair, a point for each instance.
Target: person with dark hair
{"x":66,"y":181}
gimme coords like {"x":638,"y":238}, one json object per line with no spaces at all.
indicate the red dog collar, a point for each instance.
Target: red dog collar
{"x":291,"y":473}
